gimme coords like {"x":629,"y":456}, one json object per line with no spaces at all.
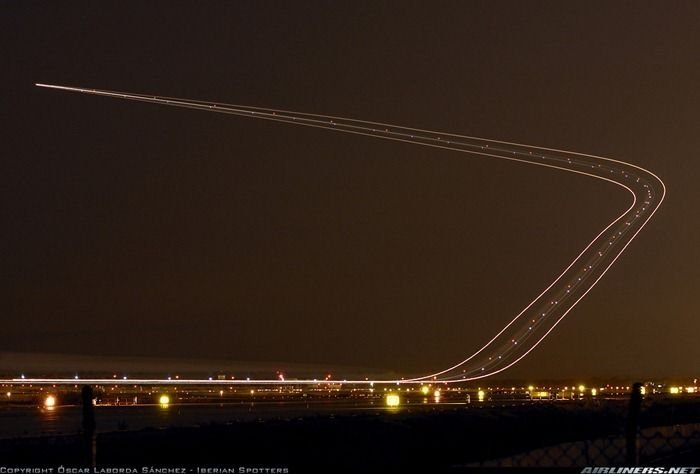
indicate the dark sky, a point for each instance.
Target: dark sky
{"x":139,"y":230}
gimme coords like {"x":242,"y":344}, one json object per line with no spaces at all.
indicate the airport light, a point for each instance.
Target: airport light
{"x":393,"y":400}
{"x":50,"y":401}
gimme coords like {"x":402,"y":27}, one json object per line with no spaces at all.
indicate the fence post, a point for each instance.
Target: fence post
{"x":632,"y":429}
{"x":89,"y":439}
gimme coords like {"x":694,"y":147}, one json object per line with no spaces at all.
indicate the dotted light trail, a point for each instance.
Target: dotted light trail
{"x":538,"y":319}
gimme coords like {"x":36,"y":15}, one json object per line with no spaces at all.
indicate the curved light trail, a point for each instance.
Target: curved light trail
{"x":539,"y":318}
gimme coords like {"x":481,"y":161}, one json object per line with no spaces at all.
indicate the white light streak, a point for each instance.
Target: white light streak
{"x":519,"y":337}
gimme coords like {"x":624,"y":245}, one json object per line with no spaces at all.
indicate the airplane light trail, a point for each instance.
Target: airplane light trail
{"x":539,"y":318}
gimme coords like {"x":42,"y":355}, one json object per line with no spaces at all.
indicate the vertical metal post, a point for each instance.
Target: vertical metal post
{"x":632,"y":429}
{"x":89,"y":439}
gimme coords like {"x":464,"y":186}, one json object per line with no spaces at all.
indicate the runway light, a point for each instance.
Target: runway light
{"x":50,"y":401}
{"x":392,"y":400}
{"x":164,"y":400}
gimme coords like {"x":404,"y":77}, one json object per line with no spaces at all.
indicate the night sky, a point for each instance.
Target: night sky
{"x":133,"y":229}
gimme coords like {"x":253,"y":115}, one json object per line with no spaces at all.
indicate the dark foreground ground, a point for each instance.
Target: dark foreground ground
{"x":403,"y":441}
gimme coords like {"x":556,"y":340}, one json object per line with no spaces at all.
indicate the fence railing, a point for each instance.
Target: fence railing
{"x":636,"y":446}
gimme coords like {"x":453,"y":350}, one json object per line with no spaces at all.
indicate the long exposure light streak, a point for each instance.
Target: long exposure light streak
{"x":538,"y":319}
